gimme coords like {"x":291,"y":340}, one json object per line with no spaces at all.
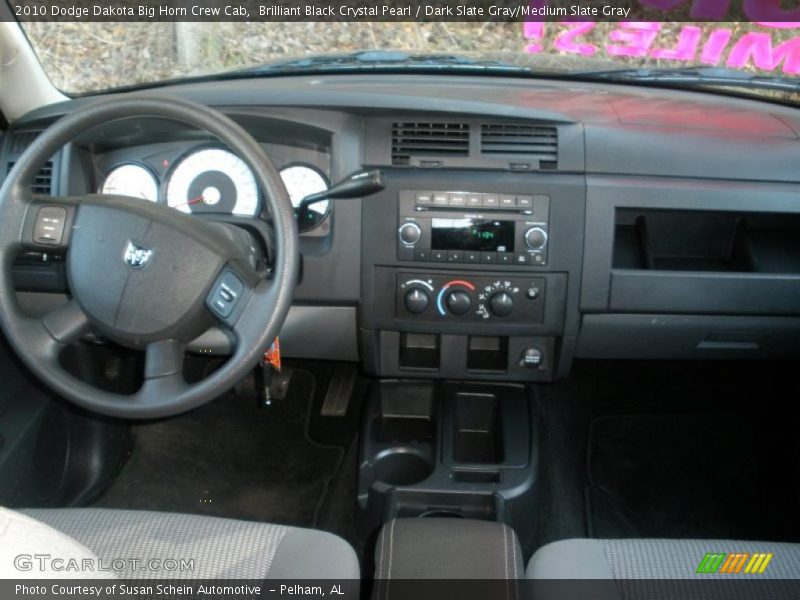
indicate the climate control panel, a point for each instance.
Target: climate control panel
{"x":478,"y":298}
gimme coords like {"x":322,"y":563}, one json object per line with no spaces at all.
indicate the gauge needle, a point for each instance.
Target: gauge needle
{"x":195,"y":200}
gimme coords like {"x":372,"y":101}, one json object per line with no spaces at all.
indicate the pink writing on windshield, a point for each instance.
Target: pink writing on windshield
{"x":718,"y":47}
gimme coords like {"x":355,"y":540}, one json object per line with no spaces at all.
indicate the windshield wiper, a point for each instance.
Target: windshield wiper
{"x":382,"y":60}
{"x":699,"y":76}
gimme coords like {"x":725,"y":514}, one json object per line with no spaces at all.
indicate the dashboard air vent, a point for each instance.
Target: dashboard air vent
{"x":539,"y":142}
{"x":43,"y":182}
{"x":416,"y":139}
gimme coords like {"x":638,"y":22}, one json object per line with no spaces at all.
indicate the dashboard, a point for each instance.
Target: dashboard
{"x":524,"y":223}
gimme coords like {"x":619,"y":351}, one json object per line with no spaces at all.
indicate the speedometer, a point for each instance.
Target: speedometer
{"x":131,"y":180}
{"x":302,"y":181}
{"x":213,"y":180}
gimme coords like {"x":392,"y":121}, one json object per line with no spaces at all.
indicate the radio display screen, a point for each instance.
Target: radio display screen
{"x":484,"y":235}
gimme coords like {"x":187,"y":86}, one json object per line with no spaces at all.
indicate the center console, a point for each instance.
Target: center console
{"x":448,"y":450}
{"x":480,"y":280}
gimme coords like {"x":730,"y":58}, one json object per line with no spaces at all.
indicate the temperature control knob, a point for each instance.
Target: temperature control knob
{"x":409,"y":233}
{"x":458,"y":302}
{"x":535,"y":238}
{"x":416,"y":301}
{"x":501,"y":304}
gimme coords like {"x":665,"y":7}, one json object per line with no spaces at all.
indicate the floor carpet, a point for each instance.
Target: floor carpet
{"x":232,"y":458}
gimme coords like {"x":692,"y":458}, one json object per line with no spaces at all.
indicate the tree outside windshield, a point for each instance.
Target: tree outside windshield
{"x":84,"y":57}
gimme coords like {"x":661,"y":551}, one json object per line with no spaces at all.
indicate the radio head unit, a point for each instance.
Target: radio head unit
{"x":473,"y":227}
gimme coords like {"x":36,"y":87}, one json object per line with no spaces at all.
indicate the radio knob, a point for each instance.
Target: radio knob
{"x":535,"y":238}
{"x":458,"y":302}
{"x":409,"y":233}
{"x":416,"y":301}
{"x":501,"y":304}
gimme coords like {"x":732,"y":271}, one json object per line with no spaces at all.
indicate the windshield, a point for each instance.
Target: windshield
{"x":86,"y":57}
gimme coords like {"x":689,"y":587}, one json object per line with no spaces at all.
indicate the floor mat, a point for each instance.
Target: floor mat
{"x":676,"y":476}
{"x":231,"y":458}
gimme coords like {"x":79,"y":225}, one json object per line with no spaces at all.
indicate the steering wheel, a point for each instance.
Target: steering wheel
{"x":144,"y":275}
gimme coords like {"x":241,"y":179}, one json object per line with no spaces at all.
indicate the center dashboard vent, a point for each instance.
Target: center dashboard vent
{"x":428,"y":139}
{"x":538,"y":142}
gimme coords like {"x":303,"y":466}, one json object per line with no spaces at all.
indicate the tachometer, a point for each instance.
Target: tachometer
{"x":302,"y":181}
{"x":131,"y":180}
{"x":213,"y":180}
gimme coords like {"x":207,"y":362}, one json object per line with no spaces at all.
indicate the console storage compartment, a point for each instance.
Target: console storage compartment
{"x":434,"y":449}
{"x":449,"y":549}
{"x":478,"y":429}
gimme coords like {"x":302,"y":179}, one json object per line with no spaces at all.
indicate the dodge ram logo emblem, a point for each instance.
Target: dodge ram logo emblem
{"x":136,"y":256}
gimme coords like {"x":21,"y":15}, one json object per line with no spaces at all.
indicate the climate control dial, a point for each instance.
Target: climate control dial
{"x":455,"y":298}
{"x":498,"y":298}
{"x":501,"y":304}
{"x":416,"y":300}
{"x":458,"y":302}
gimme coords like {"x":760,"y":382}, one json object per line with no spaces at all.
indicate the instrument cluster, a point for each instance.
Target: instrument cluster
{"x":210,"y":179}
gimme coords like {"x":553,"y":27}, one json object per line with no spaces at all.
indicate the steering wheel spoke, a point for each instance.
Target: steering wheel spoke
{"x":164,"y":359}
{"x":66,"y":324}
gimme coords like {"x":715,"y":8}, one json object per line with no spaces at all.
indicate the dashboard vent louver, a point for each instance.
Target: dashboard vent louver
{"x":428,"y":139}
{"x":539,"y":142}
{"x":43,"y":182}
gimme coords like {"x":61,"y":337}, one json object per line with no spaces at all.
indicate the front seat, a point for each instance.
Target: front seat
{"x":128,"y":541}
{"x":646,"y":569}
{"x":673,"y":559}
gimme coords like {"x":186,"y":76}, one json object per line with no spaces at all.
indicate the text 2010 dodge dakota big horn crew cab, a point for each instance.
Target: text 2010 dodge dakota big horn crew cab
{"x":382,"y":316}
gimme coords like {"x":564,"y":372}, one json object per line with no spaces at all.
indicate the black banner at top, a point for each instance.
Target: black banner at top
{"x":774,"y":12}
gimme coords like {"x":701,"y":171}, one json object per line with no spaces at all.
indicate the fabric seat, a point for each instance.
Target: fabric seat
{"x":646,"y":569}
{"x":655,"y":559}
{"x":217,"y":548}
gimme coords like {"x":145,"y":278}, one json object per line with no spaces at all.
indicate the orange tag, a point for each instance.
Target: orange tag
{"x":273,"y":355}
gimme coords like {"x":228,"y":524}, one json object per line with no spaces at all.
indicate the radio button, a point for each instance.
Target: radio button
{"x":422,"y":255}
{"x":455,"y":256}
{"x":508,"y":201}
{"x":458,"y":200}
{"x":439,"y":255}
{"x":475,"y":200}
{"x":491,"y":201}
{"x":505,"y":258}
{"x":472,"y":257}
{"x":524,"y":202}
{"x":440,"y":199}
{"x":521,"y":258}
{"x":409,"y":233}
{"x":424,"y":198}
{"x":536,"y":238}
{"x":489,"y":257}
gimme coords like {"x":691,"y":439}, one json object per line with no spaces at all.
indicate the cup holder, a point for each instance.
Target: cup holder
{"x":401,"y":466}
